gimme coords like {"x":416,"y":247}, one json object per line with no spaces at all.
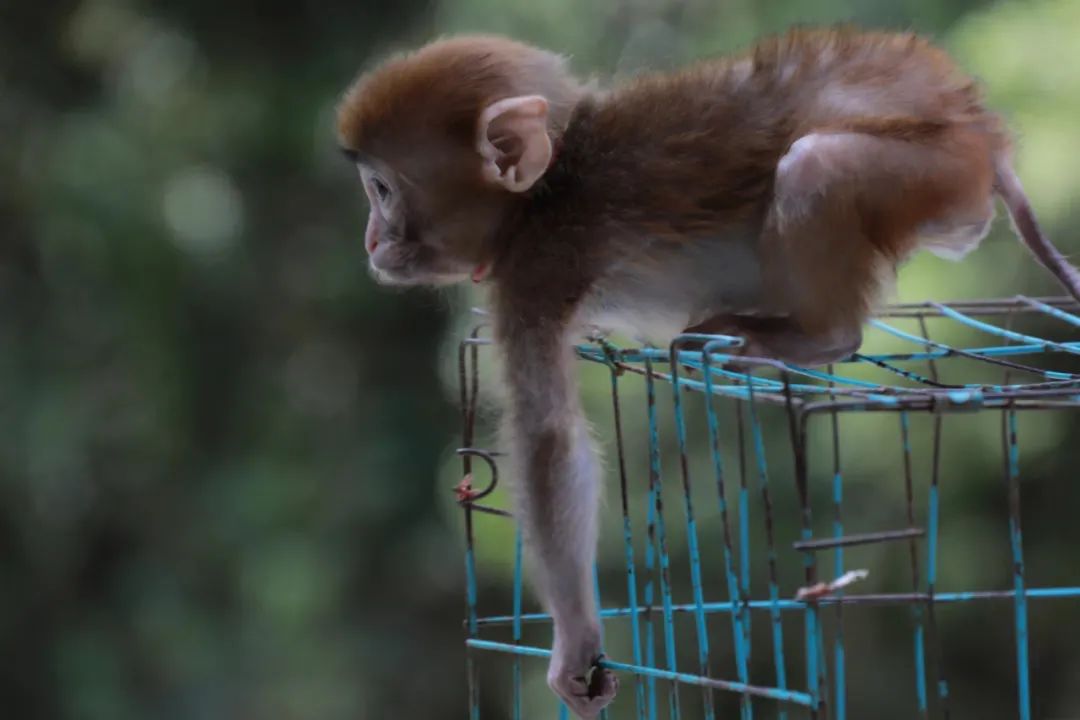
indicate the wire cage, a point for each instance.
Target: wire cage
{"x":741,"y":599}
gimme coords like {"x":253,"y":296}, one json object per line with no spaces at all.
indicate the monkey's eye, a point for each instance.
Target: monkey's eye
{"x":382,"y":190}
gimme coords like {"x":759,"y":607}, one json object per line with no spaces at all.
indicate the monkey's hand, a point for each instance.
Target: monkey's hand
{"x":575,"y":676}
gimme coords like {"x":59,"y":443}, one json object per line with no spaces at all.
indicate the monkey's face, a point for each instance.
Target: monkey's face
{"x":438,"y":200}
{"x":448,"y":139}
{"x":421,"y":229}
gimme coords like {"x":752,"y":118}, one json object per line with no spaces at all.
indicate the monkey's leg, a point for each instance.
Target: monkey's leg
{"x":558,"y":492}
{"x":847,"y":208}
{"x":790,"y":343}
{"x":781,"y":338}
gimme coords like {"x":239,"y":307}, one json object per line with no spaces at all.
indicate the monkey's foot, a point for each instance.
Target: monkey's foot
{"x":585,"y":695}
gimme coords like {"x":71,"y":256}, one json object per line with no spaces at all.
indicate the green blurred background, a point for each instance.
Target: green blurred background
{"x":225,"y":454}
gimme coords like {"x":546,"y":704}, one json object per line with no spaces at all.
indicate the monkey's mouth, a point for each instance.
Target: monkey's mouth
{"x":391,"y":277}
{"x":412,"y":278}
{"x":412,"y":275}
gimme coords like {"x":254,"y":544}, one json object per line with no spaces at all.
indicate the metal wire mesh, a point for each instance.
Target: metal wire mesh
{"x":752,"y":416}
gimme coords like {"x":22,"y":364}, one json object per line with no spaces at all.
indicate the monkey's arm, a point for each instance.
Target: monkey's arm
{"x":557,"y":484}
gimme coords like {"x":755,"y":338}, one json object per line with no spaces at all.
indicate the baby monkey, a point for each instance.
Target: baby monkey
{"x":770,"y":195}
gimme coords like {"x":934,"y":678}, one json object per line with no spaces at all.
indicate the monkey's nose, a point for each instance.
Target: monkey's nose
{"x":371,"y":238}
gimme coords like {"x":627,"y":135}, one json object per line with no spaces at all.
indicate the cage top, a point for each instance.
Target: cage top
{"x":1016,"y":352}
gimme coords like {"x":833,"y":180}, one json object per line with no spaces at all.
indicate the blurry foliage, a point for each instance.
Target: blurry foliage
{"x":213,"y":470}
{"x":220,"y":443}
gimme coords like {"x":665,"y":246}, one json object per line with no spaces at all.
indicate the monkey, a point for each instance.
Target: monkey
{"x":772,"y":194}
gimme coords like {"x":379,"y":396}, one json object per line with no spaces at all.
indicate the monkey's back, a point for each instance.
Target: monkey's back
{"x":721,"y":125}
{"x":806,"y":79}
{"x":844,"y":73}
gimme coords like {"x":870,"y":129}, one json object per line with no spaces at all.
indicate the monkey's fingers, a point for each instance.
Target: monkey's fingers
{"x":586,"y":697}
{"x":602,"y":682}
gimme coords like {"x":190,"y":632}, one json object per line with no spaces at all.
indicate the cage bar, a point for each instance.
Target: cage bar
{"x":736,"y":535}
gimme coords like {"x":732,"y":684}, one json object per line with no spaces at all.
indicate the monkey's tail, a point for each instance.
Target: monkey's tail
{"x":1027,"y":227}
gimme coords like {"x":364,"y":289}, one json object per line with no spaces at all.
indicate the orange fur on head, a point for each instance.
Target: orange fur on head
{"x":440,"y":90}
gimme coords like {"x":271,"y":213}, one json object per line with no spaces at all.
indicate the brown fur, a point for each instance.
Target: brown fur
{"x":439,"y":91}
{"x":707,"y":138}
{"x":683,"y":155}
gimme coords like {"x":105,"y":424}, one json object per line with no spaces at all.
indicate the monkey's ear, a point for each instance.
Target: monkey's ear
{"x":513,"y":141}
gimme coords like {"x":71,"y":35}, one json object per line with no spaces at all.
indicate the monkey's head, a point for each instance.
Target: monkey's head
{"x":448,"y":140}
